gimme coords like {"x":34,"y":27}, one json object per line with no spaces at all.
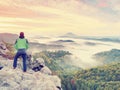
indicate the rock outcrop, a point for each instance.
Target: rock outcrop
{"x":16,"y":79}
{"x":3,"y":48}
{"x":6,"y":50}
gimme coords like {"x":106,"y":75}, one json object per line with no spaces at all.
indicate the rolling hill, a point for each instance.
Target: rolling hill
{"x":108,"y":56}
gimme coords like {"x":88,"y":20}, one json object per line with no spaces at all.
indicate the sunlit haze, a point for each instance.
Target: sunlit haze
{"x":83,"y":17}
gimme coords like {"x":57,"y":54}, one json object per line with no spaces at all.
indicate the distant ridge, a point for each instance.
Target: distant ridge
{"x":8,"y":37}
{"x":70,"y":35}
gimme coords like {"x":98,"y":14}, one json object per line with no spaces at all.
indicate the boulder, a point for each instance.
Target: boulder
{"x":46,"y":70}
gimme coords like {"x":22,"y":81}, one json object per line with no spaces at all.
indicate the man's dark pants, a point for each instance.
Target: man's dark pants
{"x":22,"y":53}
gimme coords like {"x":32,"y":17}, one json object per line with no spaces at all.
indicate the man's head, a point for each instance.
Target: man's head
{"x":21,"y":35}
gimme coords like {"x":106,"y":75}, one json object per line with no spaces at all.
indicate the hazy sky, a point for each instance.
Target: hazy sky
{"x":83,"y":17}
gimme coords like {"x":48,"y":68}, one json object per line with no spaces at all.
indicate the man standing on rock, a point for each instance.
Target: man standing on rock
{"x":21,"y":45}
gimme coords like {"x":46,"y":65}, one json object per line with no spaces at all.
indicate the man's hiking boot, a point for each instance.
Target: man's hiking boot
{"x":14,"y":67}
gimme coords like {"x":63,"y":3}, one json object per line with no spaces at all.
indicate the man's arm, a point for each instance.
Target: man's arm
{"x":27,"y":44}
{"x":15,"y":45}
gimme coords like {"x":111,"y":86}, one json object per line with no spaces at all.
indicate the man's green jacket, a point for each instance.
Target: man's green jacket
{"x":21,"y":44}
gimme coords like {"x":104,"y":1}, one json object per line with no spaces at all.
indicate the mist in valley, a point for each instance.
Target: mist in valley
{"x":82,"y":50}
